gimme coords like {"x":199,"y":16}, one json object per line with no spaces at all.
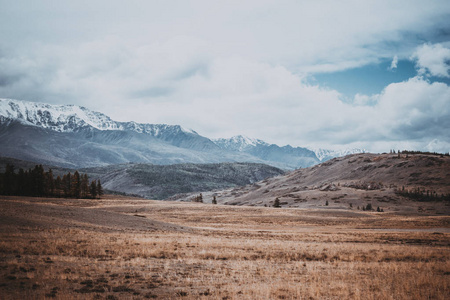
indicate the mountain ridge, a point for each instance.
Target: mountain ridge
{"x":107,"y":139}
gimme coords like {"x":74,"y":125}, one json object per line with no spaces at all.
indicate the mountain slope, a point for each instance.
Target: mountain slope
{"x":287,"y":156}
{"x":324,"y":154}
{"x":159,"y":182}
{"x":356,"y":179}
{"x":73,"y":136}
{"x":92,"y":147}
{"x":71,"y":118}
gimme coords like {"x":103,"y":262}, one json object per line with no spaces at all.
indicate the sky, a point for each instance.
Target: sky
{"x":318,"y":74}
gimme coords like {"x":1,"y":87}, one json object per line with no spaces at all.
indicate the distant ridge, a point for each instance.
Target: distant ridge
{"x":74,"y":136}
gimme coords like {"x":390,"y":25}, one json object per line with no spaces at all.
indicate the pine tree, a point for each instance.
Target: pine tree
{"x":49,"y":183}
{"x":38,"y":181}
{"x":67,"y":184}
{"x":9,"y":180}
{"x":100,"y":189}
{"x":84,"y":186}
{"x":93,"y":189}
{"x":276,"y":203}
{"x":58,"y":186}
{"x":76,"y":185}
{"x":21,"y":183}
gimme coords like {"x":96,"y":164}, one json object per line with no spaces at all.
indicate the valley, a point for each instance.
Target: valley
{"x":225,"y":150}
{"x":348,"y":225}
{"x":130,"y":248}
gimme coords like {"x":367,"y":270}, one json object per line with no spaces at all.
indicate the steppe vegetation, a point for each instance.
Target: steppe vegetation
{"x":123,"y":248}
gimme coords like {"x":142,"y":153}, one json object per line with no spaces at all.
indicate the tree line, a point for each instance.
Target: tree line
{"x":38,"y":183}
{"x":392,"y":151}
{"x":422,"y":195}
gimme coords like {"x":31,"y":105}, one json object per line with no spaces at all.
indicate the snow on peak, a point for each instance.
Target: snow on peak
{"x":55,"y":117}
{"x":69,"y":118}
{"x":238,"y":143}
{"x":324,"y":154}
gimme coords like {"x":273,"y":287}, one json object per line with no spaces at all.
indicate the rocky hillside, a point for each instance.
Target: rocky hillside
{"x":387,"y":181}
{"x":159,"y":182}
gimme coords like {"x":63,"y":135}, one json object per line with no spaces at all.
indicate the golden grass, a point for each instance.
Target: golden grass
{"x":231,"y":253}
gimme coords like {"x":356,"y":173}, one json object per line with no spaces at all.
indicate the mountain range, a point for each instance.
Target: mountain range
{"x":75,"y":137}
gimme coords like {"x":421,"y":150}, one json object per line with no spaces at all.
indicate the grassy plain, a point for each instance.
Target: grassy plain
{"x":122,"y":248}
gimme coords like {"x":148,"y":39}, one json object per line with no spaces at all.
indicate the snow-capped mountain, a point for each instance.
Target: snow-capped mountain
{"x":291,"y":157}
{"x":324,"y":154}
{"x":69,"y":118}
{"x":69,"y":135}
{"x":239,"y":143}
{"x":299,"y":156}
{"x":74,"y":136}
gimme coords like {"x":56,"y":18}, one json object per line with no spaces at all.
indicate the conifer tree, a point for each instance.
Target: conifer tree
{"x":76,"y":185}
{"x":93,"y":189}
{"x":49,"y":183}
{"x":84,"y":186}
{"x":38,"y":180}
{"x":67,"y":184}
{"x":58,"y":186}
{"x":21,"y":183}
{"x":99,"y":189}
{"x":276,"y":203}
{"x":9,"y":180}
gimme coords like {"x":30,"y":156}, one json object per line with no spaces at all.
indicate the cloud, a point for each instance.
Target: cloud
{"x":180,"y":82}
{"x":304,"y":36}
{"x":433,"y":59}
{"x":394,"y":63}
{"x":227,"y":68}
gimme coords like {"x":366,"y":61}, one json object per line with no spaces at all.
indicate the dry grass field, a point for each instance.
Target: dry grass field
{"x":124,"y":248}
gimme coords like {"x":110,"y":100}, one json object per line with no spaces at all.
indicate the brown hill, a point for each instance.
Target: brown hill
{"x":406,"y":182}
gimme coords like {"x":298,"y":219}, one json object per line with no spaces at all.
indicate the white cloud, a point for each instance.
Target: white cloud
{"x":180,"y":82}
{"x":303,"y":36}
{"x":394,"y":63}
{"x":433,"y":60}
{"x":226,"y":68}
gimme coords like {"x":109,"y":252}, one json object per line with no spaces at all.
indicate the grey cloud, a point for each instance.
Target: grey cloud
{"x":244,"y":79}
{"x":190,"y":71}
{"x":153,"y":92}
{"x":8,"y":79}
{"x":424,"y":128}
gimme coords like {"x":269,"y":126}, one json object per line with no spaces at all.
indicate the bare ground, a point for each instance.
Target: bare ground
{"x":125,"y":248}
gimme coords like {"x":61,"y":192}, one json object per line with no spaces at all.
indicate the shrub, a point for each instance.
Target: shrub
{"x":276,"y":203}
